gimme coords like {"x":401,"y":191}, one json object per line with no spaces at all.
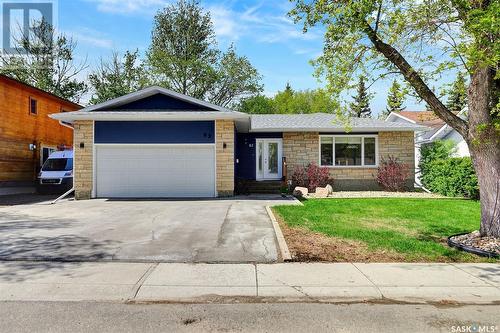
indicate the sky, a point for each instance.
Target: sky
{"x":260,"y":30}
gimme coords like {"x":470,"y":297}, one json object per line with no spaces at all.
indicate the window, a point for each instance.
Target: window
{"x":327,"y":151}
{"x":58,"y":164}
{"x":348,"y":150}
{"x":46,"y":151}
{"x":33,"y":106}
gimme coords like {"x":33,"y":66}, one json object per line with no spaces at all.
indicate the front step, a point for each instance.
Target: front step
{"x":260,"y":187}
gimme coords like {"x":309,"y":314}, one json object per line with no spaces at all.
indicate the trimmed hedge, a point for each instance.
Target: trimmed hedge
{"x":454,"y":177}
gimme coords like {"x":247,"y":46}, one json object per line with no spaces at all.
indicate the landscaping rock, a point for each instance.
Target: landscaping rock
{"x":321,"y":192}
{"x":474,"y":239}
{"x":329,"y":188}
{"x":300,"y":191}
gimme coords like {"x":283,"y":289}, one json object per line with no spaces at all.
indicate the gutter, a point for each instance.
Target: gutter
{"x":62,"y":123}
{"x":340,"y":130}
{"x":143,"y":116}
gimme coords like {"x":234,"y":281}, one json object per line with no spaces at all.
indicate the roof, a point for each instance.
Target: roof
{"x":110,"y":110}
{"x":428,"y":119}
{"x":64,"y":100}
{"x":324,"y":122}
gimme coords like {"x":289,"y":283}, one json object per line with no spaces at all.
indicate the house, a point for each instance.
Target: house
{"x":27,"y":134}
{"x":437,"y":129}
{"x":158,"y":143}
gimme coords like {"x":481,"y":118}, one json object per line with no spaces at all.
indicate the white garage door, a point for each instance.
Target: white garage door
{"x":155,"y":171}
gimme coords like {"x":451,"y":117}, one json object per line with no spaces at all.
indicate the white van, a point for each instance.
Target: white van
{"x":56,"y":175}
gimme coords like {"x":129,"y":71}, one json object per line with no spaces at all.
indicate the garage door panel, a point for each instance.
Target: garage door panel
{"x":166,"y":171}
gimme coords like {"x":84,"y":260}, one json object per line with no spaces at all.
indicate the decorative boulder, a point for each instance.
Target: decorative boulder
{"x":329,"y":188}
{"x":321,"y":192}
{"x":300,"y":191}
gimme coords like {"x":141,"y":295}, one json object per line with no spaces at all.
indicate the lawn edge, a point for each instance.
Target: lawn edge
{"x":282,"y":246}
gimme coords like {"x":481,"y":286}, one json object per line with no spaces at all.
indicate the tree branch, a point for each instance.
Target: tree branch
{"x":416,"y":81}
{"x":379,"y":12}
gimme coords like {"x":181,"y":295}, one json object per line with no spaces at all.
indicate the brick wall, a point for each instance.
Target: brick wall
{"x":225,"y":157}
{"x":302,"y":148}
{"x":83,"y":164}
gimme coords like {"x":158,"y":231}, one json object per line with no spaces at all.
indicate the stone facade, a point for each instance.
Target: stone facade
{"x":83,"y":159}
{"x":224,"y":136}
{"x":302,"y":148}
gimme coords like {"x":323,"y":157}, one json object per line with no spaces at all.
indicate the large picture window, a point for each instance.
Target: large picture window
{"x":348,"y":150}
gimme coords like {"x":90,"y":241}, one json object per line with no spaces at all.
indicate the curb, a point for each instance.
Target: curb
{"x":283,"y":248}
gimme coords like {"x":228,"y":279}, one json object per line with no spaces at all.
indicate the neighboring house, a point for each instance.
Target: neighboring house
{"x":158,"y":143}
{"x":437,"y":129}
{"x":27,"y":134}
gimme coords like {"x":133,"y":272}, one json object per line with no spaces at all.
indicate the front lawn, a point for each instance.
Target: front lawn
{"x":385,"y":229}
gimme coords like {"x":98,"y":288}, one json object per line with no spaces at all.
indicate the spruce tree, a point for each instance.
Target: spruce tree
{"x":395,"y":99}
{"x":360,"y":106}
{"x":457,"y":97}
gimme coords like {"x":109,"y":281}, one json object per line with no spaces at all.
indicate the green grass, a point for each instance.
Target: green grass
{"x":414,"y":228}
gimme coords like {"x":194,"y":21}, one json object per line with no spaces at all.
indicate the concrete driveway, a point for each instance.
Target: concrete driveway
{"x":232,"y":230}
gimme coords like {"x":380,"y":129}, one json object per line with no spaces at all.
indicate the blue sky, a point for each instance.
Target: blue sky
{"x":259,"y":29}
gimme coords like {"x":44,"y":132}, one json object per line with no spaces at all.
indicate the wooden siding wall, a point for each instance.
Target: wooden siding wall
{"x":18,"y":129}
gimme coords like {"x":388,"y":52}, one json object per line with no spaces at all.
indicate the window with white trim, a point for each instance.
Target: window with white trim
{"x":348,"y":150}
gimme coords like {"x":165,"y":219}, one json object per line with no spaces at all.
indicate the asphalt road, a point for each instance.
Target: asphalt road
{"x":119,"y":317}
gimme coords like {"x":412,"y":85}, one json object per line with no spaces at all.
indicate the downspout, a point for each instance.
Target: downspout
{"x":63,"y":196}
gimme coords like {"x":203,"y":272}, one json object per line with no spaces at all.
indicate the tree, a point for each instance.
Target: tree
{"x":117,"y":77}
{"x":457,"y":98}
{"x":236,"y":78}
{"x":289,"y":101}
{"x":402,"y":37}
{"x":48,"y":62}
{"x":360,"y":106}
{"x":258,"y":104}
{"x":283,"y":101}
{"x":183,"y":56}
{"x":395,"y":99}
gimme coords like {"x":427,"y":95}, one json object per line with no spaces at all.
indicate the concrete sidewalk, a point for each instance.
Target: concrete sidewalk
{"x":288,"y":282}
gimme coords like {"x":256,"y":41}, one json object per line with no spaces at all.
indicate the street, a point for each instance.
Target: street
{"x":295,"y":317}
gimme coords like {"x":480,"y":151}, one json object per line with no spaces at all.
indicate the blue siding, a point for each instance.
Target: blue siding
{"x":161,"y":102}
{"x":154,"y":132}
{"x":246,"y":151}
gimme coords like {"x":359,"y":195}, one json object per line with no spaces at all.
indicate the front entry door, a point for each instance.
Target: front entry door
{"x":269,"y":156}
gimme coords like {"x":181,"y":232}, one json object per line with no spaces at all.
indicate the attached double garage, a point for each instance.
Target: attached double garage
{"x":154,"y":159}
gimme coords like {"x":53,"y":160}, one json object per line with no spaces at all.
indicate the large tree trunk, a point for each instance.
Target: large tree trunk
{"x":484,"y":145}
{"x":481,"y":136}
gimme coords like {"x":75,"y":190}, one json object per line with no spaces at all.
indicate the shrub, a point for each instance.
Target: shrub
{"x":393,"y":175}
{"x":437,"y":150}
{"x":299,"y":177}
{"x":311,"y":177}
{"x":452,"y":177}
{"x":318,"y":177}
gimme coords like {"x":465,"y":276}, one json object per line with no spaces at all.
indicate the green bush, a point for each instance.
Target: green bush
{"x":454,"y":177}
{"x":437,"y":150}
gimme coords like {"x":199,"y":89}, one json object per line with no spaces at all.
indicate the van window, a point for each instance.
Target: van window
{"x":58,"y":164}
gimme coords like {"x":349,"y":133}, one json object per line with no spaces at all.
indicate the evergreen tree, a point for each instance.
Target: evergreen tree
{"x":360,"y":106}
{"x":395,"y":99}
{"x":457,"y":97}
